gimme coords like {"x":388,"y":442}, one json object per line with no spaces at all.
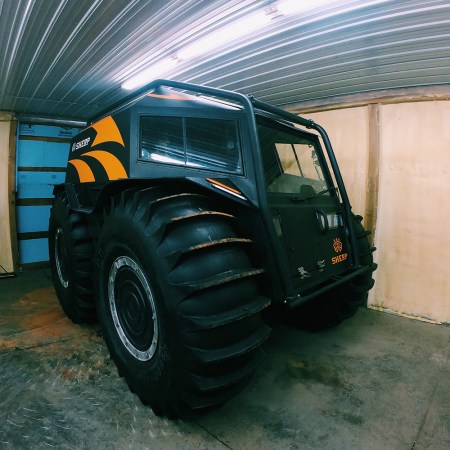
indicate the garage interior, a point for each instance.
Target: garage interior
{"x":376,"y":75}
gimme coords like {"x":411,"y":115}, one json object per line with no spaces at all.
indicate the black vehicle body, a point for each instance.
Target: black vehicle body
{"x":185,"y":212}
{"x":306,"y":243}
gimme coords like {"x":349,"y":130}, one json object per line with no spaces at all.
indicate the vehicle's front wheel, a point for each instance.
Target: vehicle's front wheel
{"x":178,"y":301}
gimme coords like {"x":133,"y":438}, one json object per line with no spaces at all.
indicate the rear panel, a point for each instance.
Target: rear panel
{"x":315,"y":255}
{"x":164,"y":135}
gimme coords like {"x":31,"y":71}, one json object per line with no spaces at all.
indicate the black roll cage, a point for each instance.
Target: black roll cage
{"x":249,"y":104}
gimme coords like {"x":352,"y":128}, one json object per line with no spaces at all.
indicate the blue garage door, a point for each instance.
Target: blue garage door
{"x":42,"y":153}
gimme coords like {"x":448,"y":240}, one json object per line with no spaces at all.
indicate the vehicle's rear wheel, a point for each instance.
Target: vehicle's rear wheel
{"x":178,"y":300}
{"x":71,"y":252}
{"x":341,"y":303}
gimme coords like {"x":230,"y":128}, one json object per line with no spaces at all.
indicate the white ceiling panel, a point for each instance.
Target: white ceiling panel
{"x":68,"y":58}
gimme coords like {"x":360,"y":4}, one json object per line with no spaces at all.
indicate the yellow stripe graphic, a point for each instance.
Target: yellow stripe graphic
{"x":113,"y":167}
{"x":84,"y":171}
{"x":218,"y":183}
{"x":107,"y":131}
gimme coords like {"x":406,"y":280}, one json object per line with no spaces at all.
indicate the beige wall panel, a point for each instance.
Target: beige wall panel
{"x":6,"y":261}
{"x":348,"y":130}
{"x":413,"y":224}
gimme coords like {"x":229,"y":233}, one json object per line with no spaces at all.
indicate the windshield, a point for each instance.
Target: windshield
{"x":291,"y":162}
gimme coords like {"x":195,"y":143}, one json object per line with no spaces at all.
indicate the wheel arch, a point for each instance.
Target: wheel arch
{"x":248,"y":216}
{"x":92,"y":197}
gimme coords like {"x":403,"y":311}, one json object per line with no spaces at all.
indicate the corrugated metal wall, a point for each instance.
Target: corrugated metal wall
{"x":391,"y":45}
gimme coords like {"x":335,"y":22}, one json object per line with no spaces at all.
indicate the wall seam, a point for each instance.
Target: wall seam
{"x":12,"y":194}
{"x":373,"y":172}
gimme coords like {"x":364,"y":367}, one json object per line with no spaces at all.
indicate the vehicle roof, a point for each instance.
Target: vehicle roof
{"x":163,"y":97}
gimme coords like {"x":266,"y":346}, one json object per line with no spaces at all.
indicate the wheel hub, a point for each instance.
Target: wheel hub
{"x":133,"y":308}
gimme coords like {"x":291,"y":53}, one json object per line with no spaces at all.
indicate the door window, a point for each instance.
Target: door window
{"x":291,"y":162}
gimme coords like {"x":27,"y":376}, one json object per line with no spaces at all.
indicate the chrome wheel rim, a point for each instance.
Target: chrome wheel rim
{"x":132,"y":308}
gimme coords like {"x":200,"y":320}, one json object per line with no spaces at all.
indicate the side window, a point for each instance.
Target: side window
{"x":162,"y":139}
{"x":202,"y":143}
{"x":213,"y":144}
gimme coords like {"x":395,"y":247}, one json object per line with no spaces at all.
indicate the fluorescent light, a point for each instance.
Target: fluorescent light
{"x":201,"y":46}
{"x":152,"y":73}
{"x":223,"y":35}
{"x":296,"y":6}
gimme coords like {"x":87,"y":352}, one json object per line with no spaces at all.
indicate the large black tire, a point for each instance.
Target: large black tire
{"x":71,"y":251}
{"x":341,"y":303}
{"x":178,"y":301}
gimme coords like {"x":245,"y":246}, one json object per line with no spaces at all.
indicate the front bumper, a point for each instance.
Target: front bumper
{"x":297,"y":300}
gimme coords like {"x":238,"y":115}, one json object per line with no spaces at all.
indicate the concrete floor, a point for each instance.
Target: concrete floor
{"x":376,"y":382}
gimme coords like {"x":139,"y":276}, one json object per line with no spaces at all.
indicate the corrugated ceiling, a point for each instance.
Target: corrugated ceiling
{"x":68,"y":58}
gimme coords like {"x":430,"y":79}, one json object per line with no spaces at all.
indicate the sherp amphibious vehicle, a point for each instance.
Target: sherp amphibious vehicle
{"x":185,"y":211}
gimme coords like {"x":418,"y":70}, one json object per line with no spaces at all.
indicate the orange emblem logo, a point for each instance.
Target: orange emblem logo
{"x":337,"y":245}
